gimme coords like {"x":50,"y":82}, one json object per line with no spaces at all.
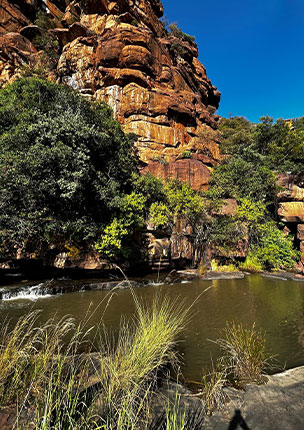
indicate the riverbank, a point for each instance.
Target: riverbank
{"x":275,"y":306}
{"x":277,"y":405}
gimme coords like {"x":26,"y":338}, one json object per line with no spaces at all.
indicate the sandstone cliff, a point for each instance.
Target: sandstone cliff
{"x":119,"y":52}
{"x":291,"y":210}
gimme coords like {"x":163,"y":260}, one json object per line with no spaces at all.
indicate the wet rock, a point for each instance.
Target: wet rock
{"x":179,"y":276}
{"x":209,"y":276}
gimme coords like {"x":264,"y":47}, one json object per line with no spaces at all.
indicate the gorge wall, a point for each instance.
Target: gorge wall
{"x":291,"y":211}
{"x":119,"y":52}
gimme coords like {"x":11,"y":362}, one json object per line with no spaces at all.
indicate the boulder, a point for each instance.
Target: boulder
{"x":291,"y":211}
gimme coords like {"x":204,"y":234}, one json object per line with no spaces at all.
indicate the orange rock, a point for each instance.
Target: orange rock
{"x":120,"y":53}
{"x":187,"y":170}
{"x":12,"y":18}
{"x":291,"y":211}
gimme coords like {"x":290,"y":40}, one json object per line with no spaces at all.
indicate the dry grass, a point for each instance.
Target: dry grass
{"x":213,"y":384}
{"x":41,"y":370}
{"x":244,"y":352}
{"x":129,"y":368}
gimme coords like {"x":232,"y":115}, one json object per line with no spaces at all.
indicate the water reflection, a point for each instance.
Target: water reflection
{"x":275,"y":305}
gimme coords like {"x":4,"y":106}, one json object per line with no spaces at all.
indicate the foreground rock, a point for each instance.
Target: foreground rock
{"x":278,"y":405}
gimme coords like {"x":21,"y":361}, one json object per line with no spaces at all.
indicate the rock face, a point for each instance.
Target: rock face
{"x":119,"y":52}
{"x":291,"y":211}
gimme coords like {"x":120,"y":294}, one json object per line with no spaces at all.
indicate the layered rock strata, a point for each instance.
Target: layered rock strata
{"x":291,"y":210}
{"x":119,"y":52}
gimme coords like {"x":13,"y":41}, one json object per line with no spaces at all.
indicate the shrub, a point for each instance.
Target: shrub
{"x":223,"y":268}
{"x":275,"y":251}
{"x":113,"y":240}
{"x":252,"y":263}
{"x":177,"y":32}
{"x":186,"y":154}
{"x":160,"y":214}
{"x":244,"y":352}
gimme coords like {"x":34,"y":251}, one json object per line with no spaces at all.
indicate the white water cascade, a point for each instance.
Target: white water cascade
{"x":26,"y":293}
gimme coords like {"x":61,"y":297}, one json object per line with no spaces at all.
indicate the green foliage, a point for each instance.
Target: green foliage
{"x":44,"y":20}
{"x":276,"y":145}
{"x":236,"y":134}
{"x":252,"y":263}
{"x":65,"y":162}
{"x":110,"y":243}
{"x":225,"y":234}
{"x":177,"y":50}
{"x":186,"y":154}
{"x":183,"y":200}
{"x":236,"y":177}
{"x":253,"y":153}
{"x":251,"y":212}
{"x":254,"y":215}
{"x":177,"y":32}
{"x":160,"y":214}
{"x":275,"y":251}
{"x":160,"y":159}
{"x":134,"y":22}
{"x":114,"y":239}
{"x":281,"y":143}
{"x":50,"y":45}
{"x":149,"y":186}
{"x":223,"y":268}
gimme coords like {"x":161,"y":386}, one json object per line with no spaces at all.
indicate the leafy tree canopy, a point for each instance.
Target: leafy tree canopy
{"x":64,"y":162}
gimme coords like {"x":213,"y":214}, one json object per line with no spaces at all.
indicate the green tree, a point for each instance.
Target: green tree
{"x":64,"y":162}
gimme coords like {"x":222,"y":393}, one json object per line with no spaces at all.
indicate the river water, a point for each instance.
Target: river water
{"x":276,"y":306}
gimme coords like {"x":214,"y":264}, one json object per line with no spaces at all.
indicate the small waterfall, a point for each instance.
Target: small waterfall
{"x":26,"y":293}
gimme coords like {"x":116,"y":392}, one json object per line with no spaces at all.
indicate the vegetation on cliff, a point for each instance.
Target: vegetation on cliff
{"x":254,"y":154}
{"x":69,"y":179}
{"x":69,"y":176}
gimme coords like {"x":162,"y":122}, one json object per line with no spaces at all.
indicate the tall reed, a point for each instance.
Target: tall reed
{"x":129,"y":368}
{"x":66,"y":386}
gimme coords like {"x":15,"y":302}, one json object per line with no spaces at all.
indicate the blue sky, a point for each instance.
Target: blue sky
{"x":253,"y":51}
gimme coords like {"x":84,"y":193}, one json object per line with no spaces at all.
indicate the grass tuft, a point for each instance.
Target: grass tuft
{"x":244,"y":352}
{"x":66,"y":386}
{"x":213,"y":384}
